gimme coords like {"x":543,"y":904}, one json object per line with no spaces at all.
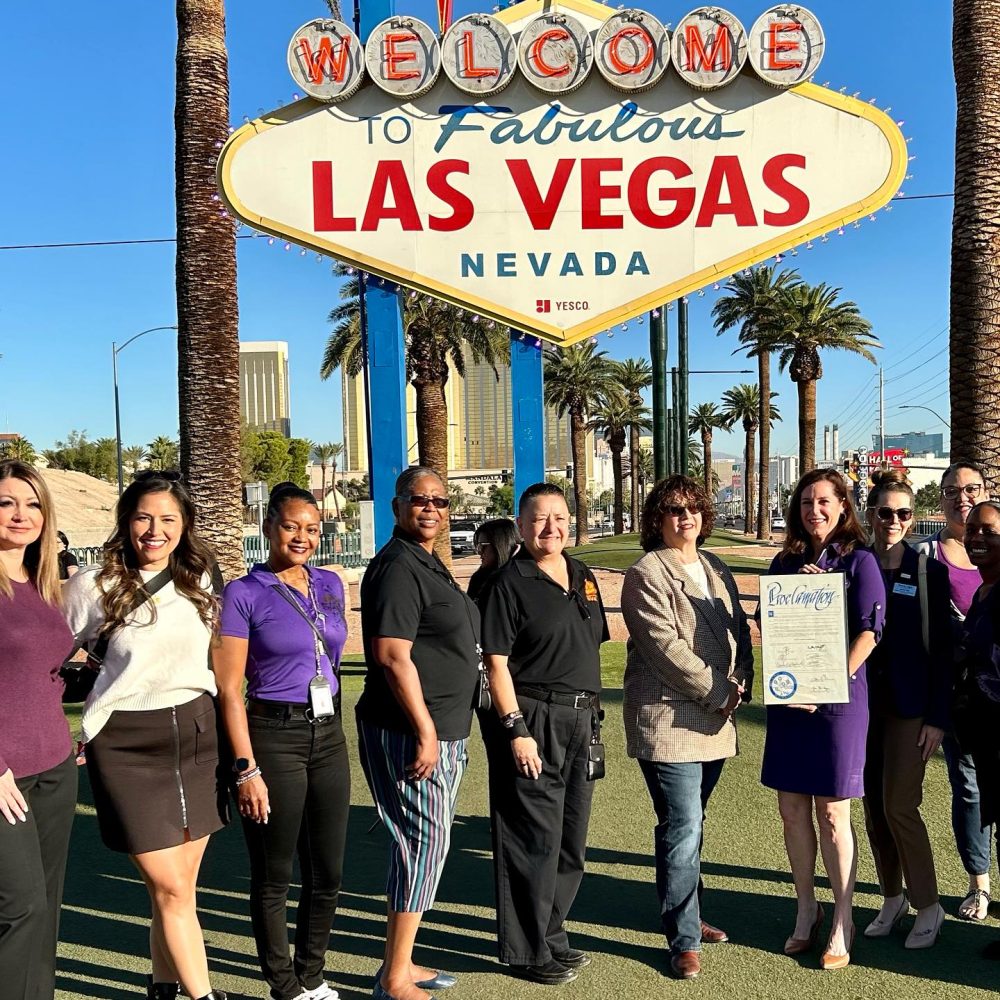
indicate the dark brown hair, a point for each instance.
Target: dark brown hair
{"x":848,"y":534}
{"x":957,"y":466}
{"x":888,"y":481}
{"x":119,"y":577}
{"x":662,"y":496}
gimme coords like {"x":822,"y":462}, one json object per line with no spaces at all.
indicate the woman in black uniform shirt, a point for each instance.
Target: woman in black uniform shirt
{"x":543,"y":625}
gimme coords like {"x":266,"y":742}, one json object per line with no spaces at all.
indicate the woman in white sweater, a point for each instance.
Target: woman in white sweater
{"x":150,"y":723}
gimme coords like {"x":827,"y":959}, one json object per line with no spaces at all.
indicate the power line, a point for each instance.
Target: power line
{"x":896,"y":378}
{"x":96,"y":243}
{"x":915,"y":351}
{"x":934,"y":378}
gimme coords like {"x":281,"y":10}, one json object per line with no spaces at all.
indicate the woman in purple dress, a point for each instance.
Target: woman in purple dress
{"x":814,"y":756}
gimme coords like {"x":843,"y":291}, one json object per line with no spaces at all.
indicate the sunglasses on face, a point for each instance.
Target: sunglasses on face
{"x":971,"y":490}
{"x":422,"y":500}
{"x":676,"y":510}
{"x":886,"y":514}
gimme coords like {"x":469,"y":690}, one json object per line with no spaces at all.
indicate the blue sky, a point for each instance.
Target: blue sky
{"x":100,"y":167}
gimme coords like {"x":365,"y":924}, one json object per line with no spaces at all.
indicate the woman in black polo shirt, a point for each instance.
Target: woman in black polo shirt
{"x":543,"y":625}
{"x":421,"y":638}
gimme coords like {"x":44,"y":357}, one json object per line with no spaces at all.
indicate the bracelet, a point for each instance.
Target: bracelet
{"x":519,"y":729}
{"x":510,"y":718}
{"x":248,"y":776}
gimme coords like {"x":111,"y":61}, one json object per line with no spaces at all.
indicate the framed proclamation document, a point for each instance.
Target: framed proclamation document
{"x":803,"y":624}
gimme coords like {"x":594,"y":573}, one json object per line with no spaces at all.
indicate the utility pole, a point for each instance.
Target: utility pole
{"x":682,"y":405}
{"x":881,"y":417}
{"x":658,"y":359}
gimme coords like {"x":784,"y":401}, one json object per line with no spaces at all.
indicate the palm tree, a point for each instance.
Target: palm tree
{"x":436,"y":333}
{"x":613,"y":418}
{"x":813,"y":320}
{"x":327,"y":455}
{"x":634,"y":376}
{"x":705,"y":419}
{"x":161,"y":453}
{"x":753,"y":303}
{"x":207,"y":305}
{"x":132,"y":457}
{"x":647,"y":473}
{"x":975,"y":268}
{"x":579,"y":379}
{"x":742,"y":405}
{"x":19,"y":449}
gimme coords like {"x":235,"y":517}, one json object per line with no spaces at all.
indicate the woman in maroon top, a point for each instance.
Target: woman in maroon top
{"x":37,"y":766}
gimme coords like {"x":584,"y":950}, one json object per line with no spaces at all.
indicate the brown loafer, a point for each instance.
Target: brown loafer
{"x":685,"y":964}
{"x":712,"y":935}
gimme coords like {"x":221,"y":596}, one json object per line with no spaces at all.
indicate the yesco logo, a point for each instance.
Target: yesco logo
{"x":556,"y":53}
{"x":543,"y":305}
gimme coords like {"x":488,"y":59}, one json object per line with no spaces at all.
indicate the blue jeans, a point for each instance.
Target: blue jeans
{"x":971,"y":837}
{"x":680,"y":794}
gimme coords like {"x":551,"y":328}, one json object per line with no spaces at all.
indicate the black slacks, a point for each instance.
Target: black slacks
{"x":32,"y":871}
{"x":308,"y":778}
{"x":539,"y":830}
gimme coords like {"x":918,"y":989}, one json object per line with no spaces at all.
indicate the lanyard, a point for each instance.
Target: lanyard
{"x":319,"y":642}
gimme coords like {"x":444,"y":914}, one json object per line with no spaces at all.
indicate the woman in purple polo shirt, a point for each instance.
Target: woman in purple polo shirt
{"x":283,"y":630}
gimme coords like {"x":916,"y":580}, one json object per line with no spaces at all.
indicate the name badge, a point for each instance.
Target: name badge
{"x":321,"y":698}
{"x":906,"y":589}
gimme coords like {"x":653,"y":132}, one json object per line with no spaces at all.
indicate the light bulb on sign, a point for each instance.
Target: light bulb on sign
{"x":656,"y":314}
{"x":287,"y":246}
{"x":270,"y":241}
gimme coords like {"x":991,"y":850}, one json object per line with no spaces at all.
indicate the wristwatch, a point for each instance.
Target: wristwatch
{"x":240,"y":765}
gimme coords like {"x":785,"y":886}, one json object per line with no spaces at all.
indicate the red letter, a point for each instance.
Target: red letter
{"x":776,"y":45}
{"x":728,"y":169}
{"x":390,"y":174}
{"x":594,"y":192}
{"x":619,"y":64}
{"x":638,"y":193}
{"x":324,"y":221}
{"x":695,"y":45}
{"x":796,"y":198}
{"x":541,"y":210}
{"x":392,"y":57}
{"x":538,"y":57}
{"x":468,"y":67}
{"x":315,"y":65}
{"x":461,"y":207}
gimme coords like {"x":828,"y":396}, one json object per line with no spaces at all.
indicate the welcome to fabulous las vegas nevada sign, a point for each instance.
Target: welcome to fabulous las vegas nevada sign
{"x":561,"y":167}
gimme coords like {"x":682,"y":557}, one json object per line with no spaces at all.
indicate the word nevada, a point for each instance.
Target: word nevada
{"x":632,"y":50}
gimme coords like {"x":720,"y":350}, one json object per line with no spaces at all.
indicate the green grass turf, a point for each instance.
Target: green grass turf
{"x":620,"y":551}
{"x":103,"y":951}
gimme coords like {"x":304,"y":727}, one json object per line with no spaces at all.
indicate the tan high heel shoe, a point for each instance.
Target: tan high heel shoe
{"x":799,"y":946}
{"x":830,"y":962}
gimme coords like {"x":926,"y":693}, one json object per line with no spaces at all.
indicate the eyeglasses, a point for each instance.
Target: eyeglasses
{"x":481,"y":547}
{"x":886,"y":514}
{"x":971,"y":490}
{"x":422,"y":500}
{"x":581,"y":604}
{"x":170,"y":475}
{"x":675,"y":510}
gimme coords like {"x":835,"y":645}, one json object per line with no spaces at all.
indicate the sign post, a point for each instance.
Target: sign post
{"x":658,"y":360}
{"x":528,"y":413}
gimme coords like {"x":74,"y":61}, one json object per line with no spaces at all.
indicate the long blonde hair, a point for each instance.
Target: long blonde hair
{"x":41,"y":559}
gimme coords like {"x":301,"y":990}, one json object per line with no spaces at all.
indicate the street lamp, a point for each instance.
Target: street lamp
{"x":915,"y":406}
{"x":115,"y":351}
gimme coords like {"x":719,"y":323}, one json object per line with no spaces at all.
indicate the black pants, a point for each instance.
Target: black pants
{"x":539,"y":830}
{"x":308,"y":781}
{"x":32,"y":870}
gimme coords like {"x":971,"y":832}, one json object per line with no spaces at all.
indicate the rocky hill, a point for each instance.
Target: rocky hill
{"x":84,"y":506}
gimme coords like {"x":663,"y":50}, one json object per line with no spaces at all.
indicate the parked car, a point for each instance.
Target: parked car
{"x":729,"y":521}
{"x":462,"y":534}
{"x":777,"y":522}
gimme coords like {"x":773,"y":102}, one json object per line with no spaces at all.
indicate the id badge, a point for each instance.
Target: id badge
{"x":320,"y":698}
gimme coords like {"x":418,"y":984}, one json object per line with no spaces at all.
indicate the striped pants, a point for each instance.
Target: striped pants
{"x":417,"y":814}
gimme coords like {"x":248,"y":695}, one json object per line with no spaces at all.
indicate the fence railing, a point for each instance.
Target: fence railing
{"x":343,"y":548}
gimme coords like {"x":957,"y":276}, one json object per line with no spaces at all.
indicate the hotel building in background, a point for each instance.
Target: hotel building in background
{"x":264,"y":395}
{"x":480,"y":425}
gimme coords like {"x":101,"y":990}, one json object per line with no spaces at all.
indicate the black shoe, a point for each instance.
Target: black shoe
{"x":572,"y":958}
{"x":215,"y":995}
{"x":161,"y":991}
{"x":992,"y":950}
{"x":552,"y":973}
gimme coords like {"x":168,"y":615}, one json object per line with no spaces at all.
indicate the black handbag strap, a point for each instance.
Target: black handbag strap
{"x":100,"y":649}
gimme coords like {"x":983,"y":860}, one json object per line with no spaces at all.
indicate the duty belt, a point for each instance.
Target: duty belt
{"x":579,"y":701}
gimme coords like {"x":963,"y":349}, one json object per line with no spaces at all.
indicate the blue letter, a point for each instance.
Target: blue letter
{"x":571,"y":265}
{"x":506,"y":265}
{"x":472,"y":266}
{"x":604,"y":262}
{"x":637,"y":263}
{"x":539,"y":267}
{"x":455,"y":122}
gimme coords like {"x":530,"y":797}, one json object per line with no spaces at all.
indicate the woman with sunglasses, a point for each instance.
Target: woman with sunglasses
{"x":690,"y":665}
{"x":496,"y":542}
{"x":909,"y":692}
{"x":150,"y":721}
{"x":963,"y":485}
{"x":977,"y":706}
{"x":283,"y":630}
{"x":421,"y":639}
{"x":814,"y":756}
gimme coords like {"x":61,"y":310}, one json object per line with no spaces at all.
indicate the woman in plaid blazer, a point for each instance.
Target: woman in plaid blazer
{"x":690,"y":665}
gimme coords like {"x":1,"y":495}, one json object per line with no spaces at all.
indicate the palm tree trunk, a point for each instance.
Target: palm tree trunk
{"x":336,"y":499}
{"x":764,"y":429}
{"x":432,"y":443}
{"x":748,"y":484}
{"x":706,"y":458}
{"x":975,"y":265}
{"x":578,"y":445}
{"x":633,"y":451}
{"x":322,"y":477}
{"x":207,"y":306}
{"x":807,"y":425}
{"x":616,"y":471}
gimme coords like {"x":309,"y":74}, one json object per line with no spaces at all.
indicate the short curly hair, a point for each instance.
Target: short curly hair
{"x":665,"y":494}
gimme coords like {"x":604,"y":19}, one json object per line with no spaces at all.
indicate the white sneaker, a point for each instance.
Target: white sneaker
{"x":321,"y":992}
